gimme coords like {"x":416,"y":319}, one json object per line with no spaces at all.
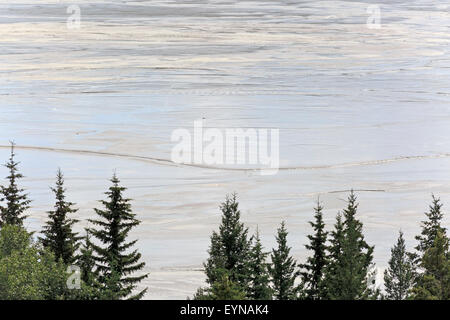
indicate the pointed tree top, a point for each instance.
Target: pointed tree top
{"x":12,"y":155}
{"x":13,"y":144}
{"x":115,"y":180}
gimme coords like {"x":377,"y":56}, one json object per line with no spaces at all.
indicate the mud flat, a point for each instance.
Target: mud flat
{"x":356,"y":107}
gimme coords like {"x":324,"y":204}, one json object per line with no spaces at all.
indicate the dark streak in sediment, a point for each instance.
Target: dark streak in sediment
{"x":162,"y":161}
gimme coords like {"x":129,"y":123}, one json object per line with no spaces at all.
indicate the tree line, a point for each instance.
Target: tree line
{"x":339,"y":267}
{"x":37,"y":268}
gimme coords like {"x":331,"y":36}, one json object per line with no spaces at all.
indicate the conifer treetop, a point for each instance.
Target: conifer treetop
{"x":399,"y":276}
{"x":230,"y":246}
{"x":431,"y":226}
{"x":349,"y":270}
{"x":15,"y":201}
{"x":58,"y":235}
{"x":313,"y":269}
{"x":115,"y":259}
{"x":259,"y":284}
{"x":283,"y":269}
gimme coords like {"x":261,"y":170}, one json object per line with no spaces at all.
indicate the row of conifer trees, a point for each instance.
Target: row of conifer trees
{"x":340,"y":265}
{"x":41,"y":268}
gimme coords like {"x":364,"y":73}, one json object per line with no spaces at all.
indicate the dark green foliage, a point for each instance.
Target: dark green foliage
{"x":201,"y":294}
{"x":113,"y":289}
{"x":229,"y":249}
{"x":115,"y":262}
{"x":259,"y":285}
{"x":90,"y":287}
{"x":282,"y":270}
{"x":434,"y":282}
{"x":348,"y":272}
{"x":430,"y":228}
{"x":222,"y":289}
{"x":330,"y":284}
{"x":86,"y":261}
{"x":58,"y":236}
{"x":313,"y":269}
{"x":399,"y":277}
{"x":16,"y":201}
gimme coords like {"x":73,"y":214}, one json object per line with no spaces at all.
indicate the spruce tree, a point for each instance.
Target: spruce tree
{"x":330,"y":286}
{"x":259,"y":286}
{"x":229,"y":249}
{"x":399,"y":277}
{"x":283,"y":268}
{"x":16,"y":200}
{"x":86,"y":261}
{"x":313,"y":269}
{"x":430,"y":228}
{"x":115,"y":262}
{"x":351,"y":259}
{"x":58,"y":235}
{"x":434,"y":282}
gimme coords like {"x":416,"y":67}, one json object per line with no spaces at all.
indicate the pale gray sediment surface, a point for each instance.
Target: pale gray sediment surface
{"x":356,"y":108}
